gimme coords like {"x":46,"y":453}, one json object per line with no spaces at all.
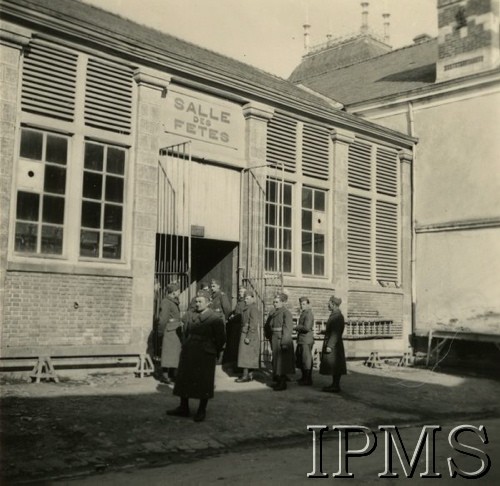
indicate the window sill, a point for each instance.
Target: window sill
{"x":68,"y":268}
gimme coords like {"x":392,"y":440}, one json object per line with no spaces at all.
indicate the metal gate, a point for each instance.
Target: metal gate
{"x":173,"y":228}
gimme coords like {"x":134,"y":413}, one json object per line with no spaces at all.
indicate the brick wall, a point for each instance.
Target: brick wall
{"x":377,"y":304}
{"x":476,"y":38}
{"x":40,"y":310}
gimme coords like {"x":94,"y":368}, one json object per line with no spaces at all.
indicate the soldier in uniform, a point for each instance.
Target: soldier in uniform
{"x":233,"y":332}
{"x":278,"y":329}
{"x":249,"y":348}
{"x":170,"y":324}
{"x":305,"y":342}
{"x":333,"y":361}
{"x":203,"y":286}
{"x":204,"y":338}
{"x":220,"y":303}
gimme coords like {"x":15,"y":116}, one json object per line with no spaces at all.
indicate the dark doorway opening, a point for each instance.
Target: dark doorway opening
{"x":215,"y":259}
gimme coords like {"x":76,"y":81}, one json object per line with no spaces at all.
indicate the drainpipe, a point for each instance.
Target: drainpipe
{"x":411,"y":129}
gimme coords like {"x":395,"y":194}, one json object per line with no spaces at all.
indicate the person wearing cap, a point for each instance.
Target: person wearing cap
{"x":203,"y":286}
{"x":305,"y":342}
{"x":233,"y":332}
{"x":220,"y":303}
{"x":249,"y":348}
{"x":278,"y":329}
{"x":204,"y":338}
{"x":333,"y":361}
{"x":170,"y":323}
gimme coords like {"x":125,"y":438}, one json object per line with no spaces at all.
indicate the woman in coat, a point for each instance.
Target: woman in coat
{"x":278,"y":329}
{"x":333,"y":355}
{"x":249,"y":348}
{"x":204,"y":338}
{"x":170,"y":325}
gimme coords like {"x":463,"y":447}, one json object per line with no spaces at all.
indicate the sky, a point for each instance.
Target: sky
{"x":269,"y":34}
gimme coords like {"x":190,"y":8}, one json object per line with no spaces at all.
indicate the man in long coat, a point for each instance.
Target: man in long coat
{"x":170,"y":324}
{"x":249,"y":348}
{"x":233,"y":333}
{"x":278,"y":329}
{"x":305,"y":342}
{"x":204,"y":338}
{"x":333,"y":361}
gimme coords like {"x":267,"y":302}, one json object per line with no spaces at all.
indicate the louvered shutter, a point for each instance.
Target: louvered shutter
{"x":282,"y":142}
{"x":387,"y":172}
{"x":359,"y":165}
{"x":108,"y":96}
{"x":49,"y":81}
{"x":359,"y":237}
{"x":315,"y":152}
{"x":387,"y":241}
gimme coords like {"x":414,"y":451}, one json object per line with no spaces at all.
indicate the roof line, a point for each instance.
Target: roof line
{"x":366,"y":60}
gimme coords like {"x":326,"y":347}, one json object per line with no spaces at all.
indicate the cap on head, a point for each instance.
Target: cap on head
{"x":172,"y":287}
{"x":303,"y":299}
{"x":282,"y":296}
{"x":335,"y":300}
{"x":203,"y":293}
{"x":215,"y":281}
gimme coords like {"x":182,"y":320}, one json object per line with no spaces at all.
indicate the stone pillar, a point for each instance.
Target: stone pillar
{"x":406,"y":159}
{"x":253,"y":187}
{"x":341,"y":139}
{"x":12,"y":41}
{"x":152,"y":89}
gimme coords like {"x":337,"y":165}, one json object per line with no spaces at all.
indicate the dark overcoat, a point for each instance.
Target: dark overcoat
{"x":334,"y":363}
{"x":305,"y":340}
{"x":248,"y":354}
{"x":170,"y":322}
{"x":233,"y":331}
{"x":220,"y":305}
{"x":278,"y":329}
{"x":204,"y":338}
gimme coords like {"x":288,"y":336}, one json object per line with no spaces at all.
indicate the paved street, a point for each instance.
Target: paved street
{"x":94,"y":423}
{"x":290,"y":465}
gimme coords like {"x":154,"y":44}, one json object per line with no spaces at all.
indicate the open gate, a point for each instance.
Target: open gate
{"x":173,"y":228}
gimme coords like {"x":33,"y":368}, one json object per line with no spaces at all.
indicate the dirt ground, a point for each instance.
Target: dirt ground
{"x":93,"y":421}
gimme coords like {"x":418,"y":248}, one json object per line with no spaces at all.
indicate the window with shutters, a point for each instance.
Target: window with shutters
{"x":282,"y":143}
{"x":373,"y":219}
{"x":316,"y":152}
{"x":71,"y":191}
{"x":313,"y":231}
{"x":278,"y":230}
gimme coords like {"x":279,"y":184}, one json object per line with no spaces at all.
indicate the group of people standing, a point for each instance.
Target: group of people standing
{"x":209,"y":333}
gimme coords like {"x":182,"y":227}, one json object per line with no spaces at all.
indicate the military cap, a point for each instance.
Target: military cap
{"x":282,"y":296}
{"x":172,"y":287}
{"x":335,"y":300}
{"x":304,"y":299}
{"x":203,"y":293}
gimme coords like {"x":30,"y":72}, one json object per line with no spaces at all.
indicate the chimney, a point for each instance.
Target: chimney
{"x":468,"y":38}
{"x":364,"y":17}
{"x":387,"y":24}
{"x":306,"y":37}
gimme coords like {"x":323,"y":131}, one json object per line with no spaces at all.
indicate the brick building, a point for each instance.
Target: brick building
{"x":446,"y":92}
{"x":131,"y":159}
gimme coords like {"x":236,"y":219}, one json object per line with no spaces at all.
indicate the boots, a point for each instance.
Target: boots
{"x":306,"y":379}
{"x":281,"y":385}
{"x":302,"y":379}
{"x":182,"y":410}
{"x":202,"y":410}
